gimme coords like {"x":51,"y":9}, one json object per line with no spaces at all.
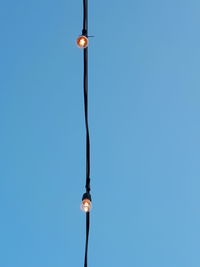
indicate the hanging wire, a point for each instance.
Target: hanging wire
{"x":85,"y":85}
{"x":87,"y":186}
{"x":85,"y":15}
{"x":87,"y":237}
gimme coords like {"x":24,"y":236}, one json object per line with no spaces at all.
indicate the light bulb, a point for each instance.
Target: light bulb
{"x":86,"y":205}
{"x":82,"y":41}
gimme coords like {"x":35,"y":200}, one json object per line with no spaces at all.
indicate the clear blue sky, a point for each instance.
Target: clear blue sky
{"x":145,"y":133}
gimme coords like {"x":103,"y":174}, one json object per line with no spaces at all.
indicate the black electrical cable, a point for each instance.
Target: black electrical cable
{"x":85,"y":15}
{"x":87,"y":186}
{"x":87,"y":236}
{"x":85,"y":85}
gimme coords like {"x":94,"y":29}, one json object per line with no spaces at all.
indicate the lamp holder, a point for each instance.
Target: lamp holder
{"x":87,"y":196}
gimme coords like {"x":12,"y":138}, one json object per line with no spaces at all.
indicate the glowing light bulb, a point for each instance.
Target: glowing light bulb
{"x":86,"y":204}
{"x":82,"y":41}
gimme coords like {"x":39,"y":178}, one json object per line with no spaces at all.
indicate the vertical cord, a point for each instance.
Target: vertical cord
{"x":87,"y":186}
{"x":85,"y":15}
{"x":85,"y":85}
{"x":87,"y":237}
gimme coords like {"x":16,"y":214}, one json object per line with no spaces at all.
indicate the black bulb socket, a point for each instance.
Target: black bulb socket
{"x":84,"y":32}
{"x":87,"y":196}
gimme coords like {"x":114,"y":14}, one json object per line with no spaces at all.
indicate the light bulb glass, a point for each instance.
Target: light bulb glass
{"x":86,"y":205}
{"x":82,"y":41}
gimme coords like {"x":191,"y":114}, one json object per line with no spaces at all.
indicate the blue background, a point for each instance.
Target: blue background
{"x":144,"y":119}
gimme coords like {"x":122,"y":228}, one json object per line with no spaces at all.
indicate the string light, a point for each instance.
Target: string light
{"x":82,"y":41}
{"x":86,"y":204}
